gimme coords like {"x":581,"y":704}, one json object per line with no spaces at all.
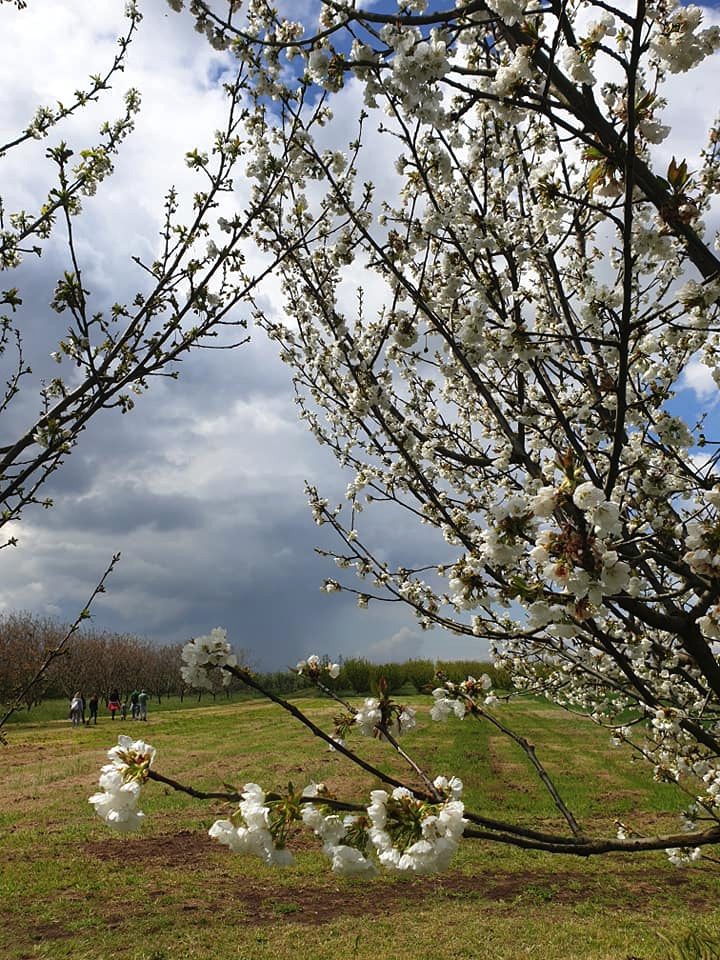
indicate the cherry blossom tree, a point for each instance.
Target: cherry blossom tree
{"x":494,"y":349}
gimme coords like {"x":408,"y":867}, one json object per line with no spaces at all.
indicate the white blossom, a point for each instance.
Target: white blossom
{"x":121,"y":784}
{"x":203,"y":658}
{"x":681,"y":856}
{"x":369,"y":716}
{"x":587,"y":496}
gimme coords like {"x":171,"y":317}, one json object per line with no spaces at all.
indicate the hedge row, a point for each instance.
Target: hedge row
{"x":360,"y":676}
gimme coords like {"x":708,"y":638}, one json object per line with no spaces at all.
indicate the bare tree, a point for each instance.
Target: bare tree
{"x":25,"y":641}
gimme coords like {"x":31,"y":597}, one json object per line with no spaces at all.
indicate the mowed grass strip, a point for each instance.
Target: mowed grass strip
{"x":69,"y":887}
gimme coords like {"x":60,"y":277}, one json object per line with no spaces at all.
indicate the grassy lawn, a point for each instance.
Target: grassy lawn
{"x":71,"y":888}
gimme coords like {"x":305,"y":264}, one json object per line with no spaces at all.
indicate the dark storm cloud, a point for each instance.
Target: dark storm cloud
{"x":124,"y":507}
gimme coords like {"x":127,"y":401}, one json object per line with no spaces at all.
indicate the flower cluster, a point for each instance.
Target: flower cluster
{"x":682,"y":45}
{"x":413,"y":836}
{"x":444,"y":706}
{"x":457,"y":699}
{"x":681,"y":856}
{"x":369,"y":716}
{"x":251,"y":829}
{"x":121,"y":781}
{"x":406,"y":834}
{"x":204,"y":658}
{"x":348,"y":858}
{"x":703,"y":549}
{"x":603,"y":514}
{"x":375,"y":714}
{"x":313,"y":667}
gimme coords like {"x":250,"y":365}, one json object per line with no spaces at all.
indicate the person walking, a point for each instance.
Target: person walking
{"x":76,"y":709}
{"x":142,"y":705}
{"x":134,"y":705}
{"x":93,"y":709}
{"x":114,"y":703}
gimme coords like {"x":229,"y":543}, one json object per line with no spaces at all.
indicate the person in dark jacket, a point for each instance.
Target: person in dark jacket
{"x":93,"y":709}
{"x":114,"y":703}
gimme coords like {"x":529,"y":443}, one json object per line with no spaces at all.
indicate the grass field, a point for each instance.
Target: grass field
{"x":70,"y":888}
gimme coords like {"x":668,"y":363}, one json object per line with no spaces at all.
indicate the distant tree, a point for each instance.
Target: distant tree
{"x":33,"y":650}
{"x":38,"y":662}
{"x":94,"y":647}
{"x":161,"y":676}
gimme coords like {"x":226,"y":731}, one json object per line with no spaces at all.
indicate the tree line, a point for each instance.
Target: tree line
{"x":99,"y":661}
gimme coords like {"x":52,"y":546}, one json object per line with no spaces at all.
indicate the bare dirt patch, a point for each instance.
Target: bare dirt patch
{"x":177,"y":850}
{"x":259,"y":901}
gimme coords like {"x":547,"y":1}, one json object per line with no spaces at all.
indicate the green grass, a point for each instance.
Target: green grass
{"x":69,"y":887}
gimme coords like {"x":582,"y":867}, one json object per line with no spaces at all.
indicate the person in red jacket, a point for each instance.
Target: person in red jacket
{"x":114,"y":704}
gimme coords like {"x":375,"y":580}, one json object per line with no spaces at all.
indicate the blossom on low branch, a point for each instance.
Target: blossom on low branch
{"x":458,"y":699}
{"x":681,"y":856}
{"x":348,"y":857}
{"x":368,"y":716}
{"x":120,"y":783}
{"x":406,"y":834}
{"x":252,"y":829}
{"x":412,"y":835}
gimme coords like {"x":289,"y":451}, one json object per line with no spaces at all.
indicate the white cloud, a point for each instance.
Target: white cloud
{"x":402,"y":645}
{"x":698,"y":378}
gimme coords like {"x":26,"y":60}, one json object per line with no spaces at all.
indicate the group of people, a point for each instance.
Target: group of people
{"x":138,"y":707}
{"x":78,"y":707}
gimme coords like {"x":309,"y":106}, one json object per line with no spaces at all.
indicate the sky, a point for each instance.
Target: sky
{"x":201,"y":487}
